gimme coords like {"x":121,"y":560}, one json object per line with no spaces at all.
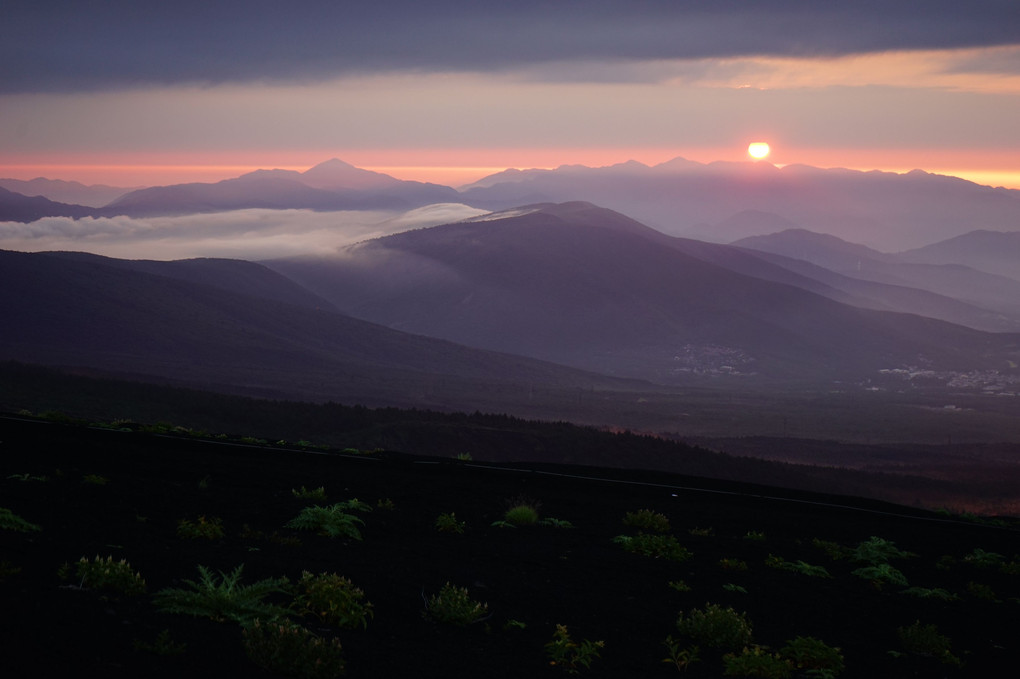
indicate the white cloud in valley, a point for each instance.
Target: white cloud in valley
{"x":240,"y":234}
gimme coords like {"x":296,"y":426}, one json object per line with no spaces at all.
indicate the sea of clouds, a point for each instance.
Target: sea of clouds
{"x":254,"y":234}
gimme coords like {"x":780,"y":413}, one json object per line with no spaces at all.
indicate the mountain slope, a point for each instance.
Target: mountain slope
{"x":588,"y":287}
{"x":989,"y":291}
{"x":996,"y":252}
{"x":74,"y":193}
{"x":15,"y":207}
{"x":82,"y":312}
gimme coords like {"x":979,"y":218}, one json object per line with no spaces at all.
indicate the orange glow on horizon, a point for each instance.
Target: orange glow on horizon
{"x":457,"y":167}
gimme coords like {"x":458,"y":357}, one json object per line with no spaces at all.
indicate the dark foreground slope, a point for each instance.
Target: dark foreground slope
{"x":123,"y":495}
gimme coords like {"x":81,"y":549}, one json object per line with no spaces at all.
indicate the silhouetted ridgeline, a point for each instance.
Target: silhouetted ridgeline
{"x":485,"y":437}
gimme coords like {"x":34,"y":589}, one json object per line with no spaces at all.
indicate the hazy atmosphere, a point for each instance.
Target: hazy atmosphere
{"x":461,"y":338}
{"x":452,"y":91}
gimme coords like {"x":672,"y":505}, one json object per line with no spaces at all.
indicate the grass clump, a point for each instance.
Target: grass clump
{"x":453,"y":605}
{"x":655,"y":546}
{"x":448,"y":523}
{"x":647,"y":520}
{"x":290,"y":650}
{"x":11,"y":521}
{"x":109,"y":575}
{"x":333,"y":599}
{"x":715,"y":627}
{"x":333,"y":521}
{"x":521,"y":515}
{"x":201,"y":528}
{"x":680,"y":657}
{"x":570,"y":655}
{"x":309,"y":494}
{"x":757,"y":662}
{"x":224,"y":598}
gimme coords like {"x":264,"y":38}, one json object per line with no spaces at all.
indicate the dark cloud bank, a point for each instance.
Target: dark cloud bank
{"x":80,"y":46}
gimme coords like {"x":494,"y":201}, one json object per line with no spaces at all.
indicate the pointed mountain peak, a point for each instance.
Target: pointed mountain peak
{"x":335,"y":174}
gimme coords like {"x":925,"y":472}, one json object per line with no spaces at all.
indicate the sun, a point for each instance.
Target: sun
{"x":758,"y":150}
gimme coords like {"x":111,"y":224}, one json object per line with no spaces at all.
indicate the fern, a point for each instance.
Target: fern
{"x":224,"y":598}
{"x":333,"y":521}
{"x":11,"y":521}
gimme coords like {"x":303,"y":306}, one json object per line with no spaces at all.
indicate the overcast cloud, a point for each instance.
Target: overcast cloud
{"x":54,"y":46}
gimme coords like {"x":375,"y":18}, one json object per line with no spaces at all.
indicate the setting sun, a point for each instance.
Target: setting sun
{"x":758,"y":150}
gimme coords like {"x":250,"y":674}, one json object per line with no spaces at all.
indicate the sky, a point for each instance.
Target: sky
{"x":133,"y":93}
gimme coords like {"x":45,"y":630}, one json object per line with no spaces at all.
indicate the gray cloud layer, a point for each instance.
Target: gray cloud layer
{"x":71,"y":45}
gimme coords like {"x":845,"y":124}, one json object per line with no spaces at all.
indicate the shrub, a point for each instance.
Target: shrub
{"x":925,"y":593}
{"x":306,"y":494}
{"x":833,"y":550}
{"x":737,"y":589}
{"x":333,"y":599}
{"x":702,"y":532}
{"x":201,"y":528}
{"x":656,"y":546}
{"x":983,"y":559}
{"x":755,"y":536}
{"x":679,"y":585}
{"x":109,"y":575}
{"x":735,"y":565}
{"x":224,"y":598}
{"x":981,"y":591}
{"x":11,"y":521}
{"x":797,"y":567}
{"x":333,"y":521}
{"x":95,"y":480}
{"x":455,"y":606}
{"x":808,"y":653}
{"x":555,"y":523}
{"x":448,"y":523}
{"x":881,"y":574}
{"x":291,"y":650}
{"x":566,"y":653}
{"x":716,"y":627}
{"x":162,"y":646}
{"x":878,"y":551}
{"x":756,"y":662}
{"x":925,"y":640}
{"x":647,"y":520}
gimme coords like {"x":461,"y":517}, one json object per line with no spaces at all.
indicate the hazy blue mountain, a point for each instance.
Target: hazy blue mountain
{"x":179,"y":322}
{"x":987,"y":291}
{"x":996,"y":252}
{"x":74,"y":193}
{"x":591,"y":288}
{"x":15,"y":207}
{"x":333,"y":185}
{"x":723,"y":201}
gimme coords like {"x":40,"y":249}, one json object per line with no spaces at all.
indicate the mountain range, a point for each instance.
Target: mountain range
{"x":719,"y":202}
{"x":588,"y":287}
{"x":236,"y":326}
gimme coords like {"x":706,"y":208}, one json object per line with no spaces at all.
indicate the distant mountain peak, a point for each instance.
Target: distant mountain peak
{"x":335,"y":174}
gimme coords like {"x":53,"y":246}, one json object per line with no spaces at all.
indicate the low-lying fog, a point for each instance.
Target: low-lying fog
{"x":241,"y":234}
